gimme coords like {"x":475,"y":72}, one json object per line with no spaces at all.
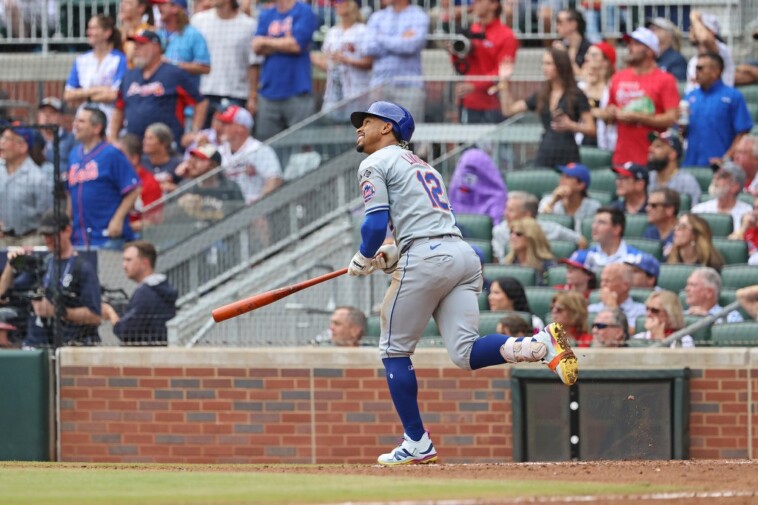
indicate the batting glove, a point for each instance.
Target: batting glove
{"x":386,"y":258}
{"x":360,"y":265}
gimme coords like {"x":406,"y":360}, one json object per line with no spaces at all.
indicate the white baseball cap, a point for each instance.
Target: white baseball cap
{"x":237,"y":115}
{"x":645,"y":36}
{"x":712,"y":23}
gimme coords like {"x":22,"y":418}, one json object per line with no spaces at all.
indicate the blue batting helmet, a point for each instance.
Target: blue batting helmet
{"x":401,"y":119}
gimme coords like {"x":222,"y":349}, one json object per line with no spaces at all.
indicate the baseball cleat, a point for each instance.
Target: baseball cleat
{"x":410,"y":452}
{"x":559,"y":358}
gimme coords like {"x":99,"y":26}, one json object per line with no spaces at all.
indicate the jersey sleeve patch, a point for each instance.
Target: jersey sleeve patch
{"x":368,"y":190}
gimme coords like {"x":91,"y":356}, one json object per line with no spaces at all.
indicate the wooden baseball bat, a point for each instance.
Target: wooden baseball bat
{"x":251,"y":303}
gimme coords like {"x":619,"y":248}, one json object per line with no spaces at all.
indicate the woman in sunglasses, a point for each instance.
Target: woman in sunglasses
{"x":530,"y":248}
{"x":664,"y":316}
{"x":569,"y":308}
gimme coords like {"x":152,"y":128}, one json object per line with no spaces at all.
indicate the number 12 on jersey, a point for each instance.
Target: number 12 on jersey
{"x":433,"y":189}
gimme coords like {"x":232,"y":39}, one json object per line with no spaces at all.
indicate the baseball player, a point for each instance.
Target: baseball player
{"x":434,"y":273}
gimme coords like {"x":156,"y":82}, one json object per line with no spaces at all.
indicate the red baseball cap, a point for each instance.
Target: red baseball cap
{"x":234,"y":114}
{"x":608,"y":51}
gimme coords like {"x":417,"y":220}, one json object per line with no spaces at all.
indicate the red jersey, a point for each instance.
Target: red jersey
{"x":654,"y":93}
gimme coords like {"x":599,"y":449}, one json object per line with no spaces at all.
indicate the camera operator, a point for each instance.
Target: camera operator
{"x":151,"y":305}
{"x":77,"y":288}
{"x":488,"y":44}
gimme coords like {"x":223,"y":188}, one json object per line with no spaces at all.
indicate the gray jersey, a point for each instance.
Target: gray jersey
{"x":397,"y":180}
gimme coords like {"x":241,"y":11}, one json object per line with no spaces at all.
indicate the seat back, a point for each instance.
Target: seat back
{"x":604,"y":197}
{"x":735,"y":334}
{"x":721,"y":224}
{"x":703,"y":176}
{"x":485,"y":246}
{"x":536,"y":181}
{"x":674,"y":277}
{"x":603,"y":180}
{"x":595,"y":158}
{"x":685,"y":202}
{"x":702,"y":336}
{"x":562,"y":248}
{"x":488,"y":320}
{"x":527,"y":276}
{"x":476,"y":226}
{"x":640,"y":294}
{"x":733,"y":251}
{"x":647,"y":245}
{"x":539,"y":299}
{"x":739,"y":276}
{"x":563,"y":220}
{"x":635,"y":225}
{"x":556,"y":275}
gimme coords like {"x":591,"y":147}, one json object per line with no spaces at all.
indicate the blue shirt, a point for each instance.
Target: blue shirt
{"x":395,"y":40}
{"x":652,"y":233}
{"x":717,"y":116}
{"x":674,"y":63}
{"x":187,"y":46}
{"x":285,"y":75}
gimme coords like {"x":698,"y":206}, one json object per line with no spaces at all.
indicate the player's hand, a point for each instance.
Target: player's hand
{"x":386,"y":258}
{"x":360,"y":265}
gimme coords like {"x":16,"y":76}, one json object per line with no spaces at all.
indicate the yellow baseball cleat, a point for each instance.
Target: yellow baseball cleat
{"x":559,"y":357}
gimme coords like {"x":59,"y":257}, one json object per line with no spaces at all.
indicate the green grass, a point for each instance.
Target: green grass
{"x":142,"y":485}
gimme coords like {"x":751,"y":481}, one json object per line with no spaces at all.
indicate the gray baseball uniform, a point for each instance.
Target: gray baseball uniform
{"x":438,"y":274}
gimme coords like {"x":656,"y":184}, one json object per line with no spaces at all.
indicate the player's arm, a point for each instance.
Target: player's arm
{"x":373,"y":233}
{"x":271,"y":184}
{"x":655,"y":121}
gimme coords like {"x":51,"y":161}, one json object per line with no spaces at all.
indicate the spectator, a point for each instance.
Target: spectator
{"x":152,"y":304}
{"x":561,"y":106}
{"x":210,"y":135}
{"x":579,"y":276}
{"x":522,"y":204}
{"x":514,"y":326}
{"x":664,"y":317}
{"x":50,"y":112}
{"x":748,"y":298}
{"x":131,"y":146}
{"x":615,"y":284}
{"x":714,"y":103}
{"x":134,"y":16}
{"x":645,"y":270}
{"x":705,"y":36}
{"x":693,"y":244}
{"x":569,"y":308}
{"x":702,"y":295}
{"x":25,"y":193}
{"x":494,"y":44}
{"x":507,"y":293}
{"x":77,"y":290}
{"x":670,"y":58}
{"x":103,"y":185}
{"x":395,"y":37}
{"x":664,"y":155}
{"x":283,"y":37}
{"x":97,"y":74}
{"x":599,"y":66}
{"x":183,"y":45}
{"x":26,"y":18}
{"x":746,"y":157}
{"x":158,"y":156}
{"x":477,"y":186}
{"x":342,"y":57}
{"x":642,"y":98}
{"x":247,"y":161}
{"x":610,"y":329}
{"x":727,"y":184}
{"x":662,"y":211}
{"x":571,"y":27}
{"x":607,"y":233}
{"x":155,"y":92}
{"x":530,"y":248}
{"x":233,"y":79}
{"x":570,"y":197}
{"x":748,"y":230}
{"x":7,"y":342}
{"x":346,"y":326}
{"x":631,"y":188}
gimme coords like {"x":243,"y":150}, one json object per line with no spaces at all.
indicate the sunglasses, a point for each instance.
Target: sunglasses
{"x":653,"y":310}
{"x":517,"y":233}
{"x":602,"y":326}
{"x":655,"y":205}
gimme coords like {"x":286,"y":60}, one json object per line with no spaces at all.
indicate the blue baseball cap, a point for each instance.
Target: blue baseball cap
{"x":645,"y":262}
{"x":577,"y":171}
{"x":633,"y":170}
{"x":25,"y":133}
{"x":579,"y":259}
{"x":180,"y":3}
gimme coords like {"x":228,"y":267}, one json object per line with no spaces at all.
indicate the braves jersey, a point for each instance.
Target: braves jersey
{"x":98,"y":181}
{"x":396,"y":180}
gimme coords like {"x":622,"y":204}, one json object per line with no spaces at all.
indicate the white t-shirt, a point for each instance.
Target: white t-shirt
{"x":231,"y":56}
{"x":711,"y":207}
{"x":345,"y":81}
{"x":250,"y":167}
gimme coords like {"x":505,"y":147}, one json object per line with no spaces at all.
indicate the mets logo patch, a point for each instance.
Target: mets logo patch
{"x":368,"y":191}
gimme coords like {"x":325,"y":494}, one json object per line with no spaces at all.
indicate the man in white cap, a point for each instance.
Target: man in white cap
{"x":642,"y":97}
{"x":705,"y":35}
{"x":670,"y":58}
{"x":247,"y":161}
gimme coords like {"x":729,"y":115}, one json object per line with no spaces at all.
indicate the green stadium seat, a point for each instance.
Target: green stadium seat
{"x":567,"y":221}
{"x":604,"y":197}
{"x":635,"y":225}
{"x":728,"y":296}
{"x":674,"y":277}
{"x":539,"y":299}
{"x":639,"y":342}
{"x":483,"y":303}
{"x":721,"y":224}
{"x":646,"y":245}
{"x":640,"y":294}
{"x":527,"y":276}
{"x":594,"y":297}
{"x":703,"y":175}
{"x":488,"y":320}
{"x":535,"y":181}
{"x":685,"y":202}
{"x":595,"y":158}
{"x":484,"y":245}
{"x":739,"y":276}
{"x":703,"y":335}
{"x":747,"y":198}
{"x":556,"y":275}
{"x":733,"y":251}
{"x":750,"y":92}
{"x":586,"y":228}
{"x":603,"y":180}
{"x":753,"y":108}
{"x":475,"y":226}
{"x":562,"y":248}
{"x":735,"y":334}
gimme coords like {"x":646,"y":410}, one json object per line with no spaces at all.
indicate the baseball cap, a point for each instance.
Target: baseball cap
{"x":577,"y":171}
{"x":180,"y":3}
{"x":578,"y":259}
{"x":645,"y":262}
{"x":52,"y":102}
{"x":48,"y":225}
{"x":25,"y":133}
{"x":661,"y":23}
{"x":207,"y":152}
{"x":237,"y":115}
{"x":671,"y":137}
{"x":712,"y":23}
{"x":144,"y":37}
{"x":633,"y":170}
{"x":734,"y":171}
{"x":645,"y":36}
{"x":608,"y":51}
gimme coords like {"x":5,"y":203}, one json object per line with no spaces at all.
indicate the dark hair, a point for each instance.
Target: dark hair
{"x":670,"y":198}
{"x":514,"y":290}
{"x":617,"y":216}
{"x":145,"y":250}
{"x":517,"y":325}
{"x":148,"y":15}
{"x":715,"y":58}
{"x":575,"y":15}
{"x":565,"y":72}
{"x":97,"y":117}
{"x":132,"y":144}
{"x":107,"y":22}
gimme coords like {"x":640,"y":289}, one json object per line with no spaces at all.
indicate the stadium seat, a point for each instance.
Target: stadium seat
{"x":674,"y":277}
{"x":539,"y":299}
{"x":527,"y":276}
{"x":639,"y":342}
{"x":586,"y":228}
{"x":483,"y":303}
{"x":735,"y":334}
{"x":595,"y":158}
{"x":733,"y":251}
{"x":556,"y":275}
{"x":753,"y":108}
{"x":729,"y":295}
{"x":604,"y":197}
{"x":567,"y":221}
{"x":750,"y":92}
{"x":488,"y":320}
{"x":535,"y":181}
{"x":562,"y":248}
{"x":474,"y":226}
{"x":594,"y":297}
{"x":640,"y":294}
{"x":701,"y":336}
{"x":739,"y":276}
{"x":685,"y":202}
{"x":635,"y":225}
{"x":703,"y":175}
{"x":721,"y":224}
{"x":485,"y":246}
{"x":747,"y":198}
{"x":647,"y":245}
{"x":603,"y":180}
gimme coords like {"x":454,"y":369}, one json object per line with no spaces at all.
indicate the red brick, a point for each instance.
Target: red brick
{"x":184,"y":405}
{"x":69,"y":392}
{"x":215,"y":405}
{"x":107,"y":371}
{"x":67,"y":371}
{"x":216,"y":383}
{"x":169,"y":372}
{"x":132,"y":371}
{"x":264,"y":372}
{"x":169,"y":417}
{"x":720,"y":373}
{"x":200,"y":372}
{"x":232,"y":372}
{"x":137,"y":394}
{"x":154,"y":383}
{"x":186,"y":428}
{"x":105,"y":393}
{"x":216,"y":428}
{"x":720,"y":397}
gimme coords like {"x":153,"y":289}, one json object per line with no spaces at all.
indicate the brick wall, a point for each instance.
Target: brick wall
{"x":332,"y":406}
